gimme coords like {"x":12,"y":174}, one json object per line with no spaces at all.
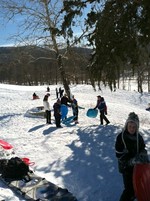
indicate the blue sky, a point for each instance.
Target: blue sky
{"x":7,"y":30}
{"x":4,"y":32}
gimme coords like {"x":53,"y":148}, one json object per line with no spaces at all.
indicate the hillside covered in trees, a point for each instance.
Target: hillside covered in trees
{"x":32,"y":65}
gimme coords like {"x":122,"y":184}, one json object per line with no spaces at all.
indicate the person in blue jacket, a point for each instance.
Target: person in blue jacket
{"x":101,"y":105}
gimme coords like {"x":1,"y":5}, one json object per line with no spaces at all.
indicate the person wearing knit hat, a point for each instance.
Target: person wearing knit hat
{"x":132,"y":117}
{"x":130,"y":150}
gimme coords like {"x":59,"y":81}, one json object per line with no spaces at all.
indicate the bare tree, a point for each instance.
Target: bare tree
{"x":38,"y":23}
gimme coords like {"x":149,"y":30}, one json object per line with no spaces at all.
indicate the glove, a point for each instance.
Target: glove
{"x":134,"y":161}
{"x":139,"y":158}
{"x":143,"y":157}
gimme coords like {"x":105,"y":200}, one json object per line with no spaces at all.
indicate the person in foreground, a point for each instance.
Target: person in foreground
{"x":130,"y":150}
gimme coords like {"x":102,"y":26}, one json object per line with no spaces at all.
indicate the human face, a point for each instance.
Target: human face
{"x":131,"y":127}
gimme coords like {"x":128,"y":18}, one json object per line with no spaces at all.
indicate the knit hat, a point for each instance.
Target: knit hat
{"x":132,"y":117}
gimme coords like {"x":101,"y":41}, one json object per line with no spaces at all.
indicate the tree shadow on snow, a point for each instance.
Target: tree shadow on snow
{"x":93,"y":157}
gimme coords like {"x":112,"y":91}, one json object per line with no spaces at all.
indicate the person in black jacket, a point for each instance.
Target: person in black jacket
{"x":65,"y":100}
{"x":57,"y":113}
{"x":130,"y":150}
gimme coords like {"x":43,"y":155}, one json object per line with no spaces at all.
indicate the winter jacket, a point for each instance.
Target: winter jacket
{"x":102,"y":105}
{"x":56,"y":107}
{"x":98,"y":103}
{"x":128,"y":147}
{"x":65,"y":101}
{"x":74,"y":105}
{"x":46,"y":105}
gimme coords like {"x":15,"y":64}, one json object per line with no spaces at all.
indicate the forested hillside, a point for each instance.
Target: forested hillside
{"x":32,"y":65}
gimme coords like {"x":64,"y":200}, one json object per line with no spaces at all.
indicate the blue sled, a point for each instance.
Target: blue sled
{"x":92,"y":113}
{"x":68,"y":120}
{"x":64,"y":111}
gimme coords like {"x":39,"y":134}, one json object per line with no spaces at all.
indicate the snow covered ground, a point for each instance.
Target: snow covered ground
{"x":78,"y":157}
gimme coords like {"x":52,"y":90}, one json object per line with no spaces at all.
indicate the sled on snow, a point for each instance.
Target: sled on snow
{"x":5,"y":145}
{"x":7,"y":150}
{"x":92,"y":113}
{"x":68,"y":120}
{"x":36,"y":112}
{"x":34,"y":187}
{"x":141,"y":181}
{"x":64,"y":111}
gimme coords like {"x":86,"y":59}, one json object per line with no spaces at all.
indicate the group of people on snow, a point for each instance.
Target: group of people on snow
{"x":129,"y":146}
{"x":73,"y":103}
{"x":69,"y":102}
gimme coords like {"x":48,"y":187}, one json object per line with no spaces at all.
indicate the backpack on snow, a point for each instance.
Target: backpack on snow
{"x":14,"y":168}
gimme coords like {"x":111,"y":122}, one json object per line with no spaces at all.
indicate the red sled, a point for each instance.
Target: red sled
{"x":141,"y":181}
{"x":28,"y":162}
{"x":35,"y":97}
{"x":8,"y":146}
{"x":5,"y":145}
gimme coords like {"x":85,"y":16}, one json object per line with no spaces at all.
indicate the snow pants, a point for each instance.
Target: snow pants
{"x":57,"y":120}
{"x":103,"y":117}
{"x":75,"y":113}
{"x":48,"y":117}
{"x":128,"y":193}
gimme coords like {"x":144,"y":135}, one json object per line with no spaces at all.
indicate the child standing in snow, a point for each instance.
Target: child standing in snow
{"x":47,"y":109}
{"x":57,"y":113}
{"x":101,"y":105}
{"x":75,"y":109}
{"x":130,"y":150}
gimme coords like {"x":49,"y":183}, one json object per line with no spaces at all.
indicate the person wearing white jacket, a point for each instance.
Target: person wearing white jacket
{"x":47,"y":108}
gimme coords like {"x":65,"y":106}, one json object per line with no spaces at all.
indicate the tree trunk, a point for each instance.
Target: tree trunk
{"x":63,"y":76}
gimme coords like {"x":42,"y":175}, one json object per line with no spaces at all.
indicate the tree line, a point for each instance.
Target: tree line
{"x":32,"y":65}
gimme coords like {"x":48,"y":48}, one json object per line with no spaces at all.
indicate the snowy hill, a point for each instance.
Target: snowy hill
{"x":78,"y":157}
